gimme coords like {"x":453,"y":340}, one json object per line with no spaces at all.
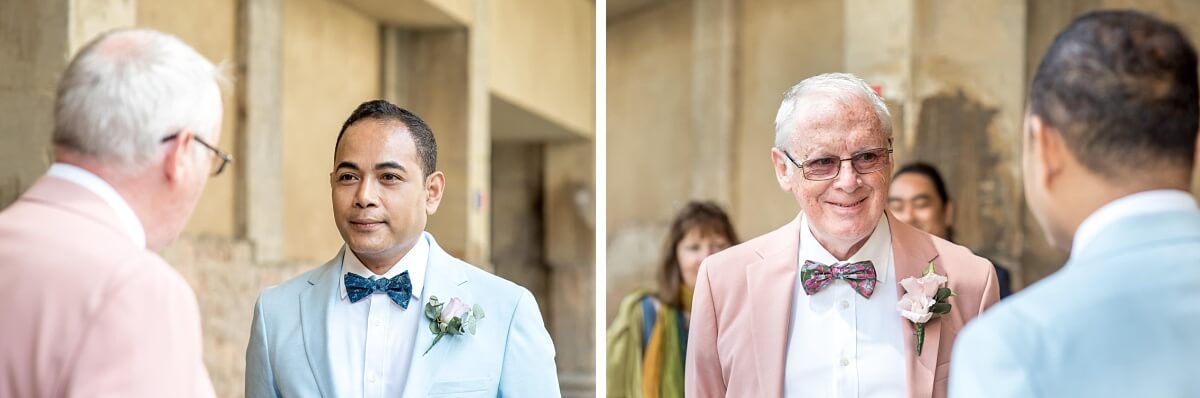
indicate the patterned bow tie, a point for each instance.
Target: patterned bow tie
{"x":860,"y":276}
{"x":398,"y":288}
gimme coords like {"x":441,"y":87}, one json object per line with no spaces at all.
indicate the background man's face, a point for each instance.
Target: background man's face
{"x":914,"y":200}
{"x":379,"y":195}
{"x":848,"y":207}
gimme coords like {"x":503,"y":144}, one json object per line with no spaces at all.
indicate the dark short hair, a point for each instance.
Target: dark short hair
{"x":1121,"y":88}
{"x":707,"y":216}
{"x":930,"y":172}
{"x":385,"y":111}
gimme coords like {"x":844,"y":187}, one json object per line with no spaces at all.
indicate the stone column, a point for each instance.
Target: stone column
{"x":259,"y":191}
{"x":714,"y":98}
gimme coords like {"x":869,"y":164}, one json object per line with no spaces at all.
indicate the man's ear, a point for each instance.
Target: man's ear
{"x":782,"y":166}
{"x":1049,"y":149}
{"x":435,"y":186}
{"x":176,"y":161}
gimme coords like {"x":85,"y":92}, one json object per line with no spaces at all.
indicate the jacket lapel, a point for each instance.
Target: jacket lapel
{"x":314,"y":317}
{"x":445,"y":279}
{"x":913,"y":251}
{"x":771,"y":283}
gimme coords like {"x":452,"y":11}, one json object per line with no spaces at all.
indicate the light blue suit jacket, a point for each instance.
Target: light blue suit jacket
{"x":1122,"y":318}
{"x":510,"y":355}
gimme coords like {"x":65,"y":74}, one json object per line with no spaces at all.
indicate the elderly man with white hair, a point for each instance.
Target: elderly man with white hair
{"x":843,"y":301}
{"x":86,"y":306}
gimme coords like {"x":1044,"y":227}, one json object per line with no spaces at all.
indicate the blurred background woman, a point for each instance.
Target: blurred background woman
{"x":648,"y":338}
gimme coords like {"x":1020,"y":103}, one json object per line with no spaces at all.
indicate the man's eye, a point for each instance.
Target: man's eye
{"x":391,"y":177}
{"x":822,"y":162}
{"x":867,"y":157}
{"x":347,"y":177}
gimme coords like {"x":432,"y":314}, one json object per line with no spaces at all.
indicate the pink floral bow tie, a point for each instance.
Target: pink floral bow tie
{"x":860,"y":276}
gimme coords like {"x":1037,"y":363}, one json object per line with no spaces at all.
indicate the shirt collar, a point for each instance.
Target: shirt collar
{"x":877,"y":250}
{"x":90,"y":181}
{"x":1160,"y":200}
{"x":415,"y":262}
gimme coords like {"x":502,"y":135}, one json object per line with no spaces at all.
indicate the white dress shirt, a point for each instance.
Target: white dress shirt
{"x":1132,"y":205}
{"x":86,"y":179}
{"x":371,"y":341}
{"x":841,"y":344}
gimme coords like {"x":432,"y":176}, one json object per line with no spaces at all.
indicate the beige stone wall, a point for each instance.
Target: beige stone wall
{"x":215,"y":39}
{"x":321,"y":39}
{"x":560,"y":86}
{"x":648,"y":107}
{"x":32,"y":56}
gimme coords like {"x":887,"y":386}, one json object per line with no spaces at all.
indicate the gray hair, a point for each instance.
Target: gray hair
{"x":128,"y":89}
{"x":841,"y":84}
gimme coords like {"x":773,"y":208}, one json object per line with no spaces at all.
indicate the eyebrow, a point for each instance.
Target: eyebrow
{"x":390,"y":165}
{"x":914,"y":198}
{"x":378,"y":166}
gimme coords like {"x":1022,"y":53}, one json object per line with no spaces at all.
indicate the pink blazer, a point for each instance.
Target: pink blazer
{"x":737,"y":344}
{"x":84,"y":312}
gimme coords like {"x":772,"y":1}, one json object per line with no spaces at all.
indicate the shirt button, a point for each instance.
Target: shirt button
{"x":845,"y":304}
{"x":371,"y":378}
{"x":376,"y":322}
{"x":845,"y":362}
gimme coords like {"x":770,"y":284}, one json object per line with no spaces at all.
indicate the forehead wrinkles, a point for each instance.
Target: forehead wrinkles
{"x":829,"y":121}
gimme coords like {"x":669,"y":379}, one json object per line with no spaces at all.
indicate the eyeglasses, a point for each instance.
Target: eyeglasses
{"x":219,"y":161}
{"x":828,"y":168}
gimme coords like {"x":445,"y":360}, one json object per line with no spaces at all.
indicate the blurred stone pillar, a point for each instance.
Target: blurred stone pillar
{"x":260,"y":177}
{"x":714,"y":98}
{"x":570,"y":225}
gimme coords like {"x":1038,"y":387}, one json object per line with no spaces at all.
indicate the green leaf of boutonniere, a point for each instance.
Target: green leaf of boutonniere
{"x":942,"y":294}
{"x":929,"y":269}
{"x":458,"y":318}
{"x":940,"y":308}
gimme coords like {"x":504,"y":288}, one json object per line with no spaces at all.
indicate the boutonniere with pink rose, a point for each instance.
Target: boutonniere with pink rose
{"x":924,"y":299}
{"x":451,"y":318}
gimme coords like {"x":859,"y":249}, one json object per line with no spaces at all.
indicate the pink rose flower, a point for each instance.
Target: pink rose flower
{"x":926,"y":285}
{"x":453,"y":309}
{"x":914,"y":306}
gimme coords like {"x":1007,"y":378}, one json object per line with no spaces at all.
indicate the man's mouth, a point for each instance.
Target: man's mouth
{"x":848,"y":205}
{"x":366,"y":225}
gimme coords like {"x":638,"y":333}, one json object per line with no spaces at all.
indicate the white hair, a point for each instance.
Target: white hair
{"x":840,"y":84}
{"x":127,"y":90}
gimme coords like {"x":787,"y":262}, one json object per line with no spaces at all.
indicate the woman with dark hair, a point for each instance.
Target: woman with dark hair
{"x":648,"y":338}
{"x":918,"y":197}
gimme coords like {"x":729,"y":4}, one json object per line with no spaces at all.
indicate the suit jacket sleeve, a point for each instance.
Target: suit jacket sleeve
{"x":528,"y":369}
{"x":144,"y":340}
{"x":703,"y":376}
{"x":260,"y":377}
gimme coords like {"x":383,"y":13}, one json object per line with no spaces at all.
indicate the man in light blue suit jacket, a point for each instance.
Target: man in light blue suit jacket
{"x":1111,"y":140}
{"x":358,"y":326}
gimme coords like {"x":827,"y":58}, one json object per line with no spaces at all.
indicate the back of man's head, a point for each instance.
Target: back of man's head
{"x":1121,"y":89}
{"x":128,"y":89}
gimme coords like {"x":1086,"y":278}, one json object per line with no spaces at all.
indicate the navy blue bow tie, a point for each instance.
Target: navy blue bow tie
{"x":399,"y":288}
